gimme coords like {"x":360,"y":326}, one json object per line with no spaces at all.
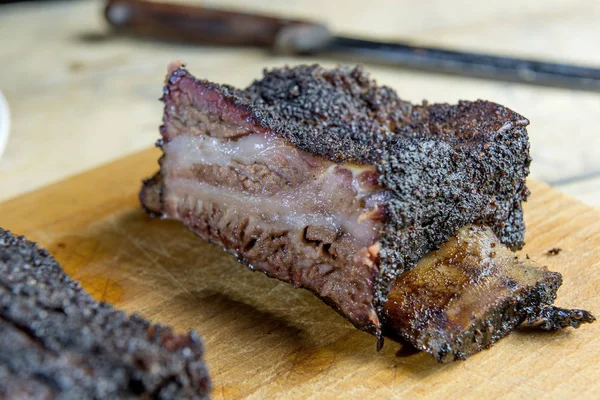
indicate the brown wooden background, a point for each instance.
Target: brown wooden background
{"x":80,"y":97}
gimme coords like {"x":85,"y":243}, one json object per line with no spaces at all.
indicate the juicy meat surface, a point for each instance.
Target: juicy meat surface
{"x":297,"y":218}
{"x":470,"y":293}
{"x":58,"y":342}
{"x":325,"y":180}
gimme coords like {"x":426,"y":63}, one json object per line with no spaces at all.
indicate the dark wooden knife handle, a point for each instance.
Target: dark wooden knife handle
{"x":197,"y":24}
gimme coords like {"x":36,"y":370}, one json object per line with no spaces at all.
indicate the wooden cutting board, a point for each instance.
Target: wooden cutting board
{"x":264,"y":338}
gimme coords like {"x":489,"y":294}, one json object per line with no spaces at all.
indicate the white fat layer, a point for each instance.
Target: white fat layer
{"x":313,"y":203}
{"x":185,"y":151}
{"x":281,"y":211}
{"x":189,"y":150}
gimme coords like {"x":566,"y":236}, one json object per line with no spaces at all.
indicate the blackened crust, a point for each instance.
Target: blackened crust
{"x":58,"y":342}
{"x":471,"y":167}
{"x":445,"y":166}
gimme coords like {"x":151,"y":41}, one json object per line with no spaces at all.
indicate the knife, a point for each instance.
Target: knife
{"x":209,"y":26}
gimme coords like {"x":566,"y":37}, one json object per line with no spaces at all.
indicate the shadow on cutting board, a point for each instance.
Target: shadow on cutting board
{"x":256,"y":329}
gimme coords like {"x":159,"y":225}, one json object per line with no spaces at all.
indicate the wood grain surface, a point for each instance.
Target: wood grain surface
{"x":265,"y":339}
{"x":80,"y":96}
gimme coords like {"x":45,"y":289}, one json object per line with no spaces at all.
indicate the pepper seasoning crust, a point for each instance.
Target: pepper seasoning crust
{"x":444,"y":166}
{"x":57,"y":341}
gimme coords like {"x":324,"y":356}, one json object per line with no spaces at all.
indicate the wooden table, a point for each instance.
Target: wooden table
{"x":80,"y":97}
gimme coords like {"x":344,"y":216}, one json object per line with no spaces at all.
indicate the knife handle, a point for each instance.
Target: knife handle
{"x":197,"y":24}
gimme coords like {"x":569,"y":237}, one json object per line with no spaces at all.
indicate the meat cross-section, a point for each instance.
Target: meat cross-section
{"x":325,"y":180}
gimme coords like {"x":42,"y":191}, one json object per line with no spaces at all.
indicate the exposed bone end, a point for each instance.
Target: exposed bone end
{"x":469,"y":294}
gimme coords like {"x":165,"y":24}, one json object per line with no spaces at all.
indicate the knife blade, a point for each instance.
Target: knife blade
{"x":210,"y":26}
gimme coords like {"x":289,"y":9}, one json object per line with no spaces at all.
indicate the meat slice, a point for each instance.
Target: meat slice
{"x":58,"y":342}
{"x":470,"y":293}
{"x":325,"y":180}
